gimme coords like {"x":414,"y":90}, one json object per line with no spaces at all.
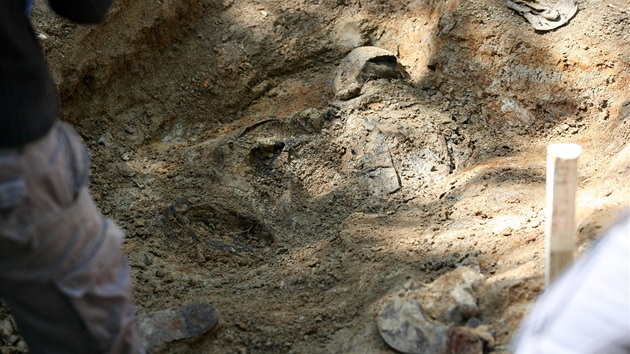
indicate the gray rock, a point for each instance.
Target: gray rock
{"x":451,"y":298}
{"x":404,"y":327}
{"x":162,"y":327}
{"x":6,"y":327}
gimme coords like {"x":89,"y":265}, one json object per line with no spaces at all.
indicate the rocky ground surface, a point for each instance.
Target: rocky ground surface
{"x":241,"y":179}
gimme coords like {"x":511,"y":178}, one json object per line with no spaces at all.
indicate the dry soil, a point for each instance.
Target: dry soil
{"x":219,"y":147}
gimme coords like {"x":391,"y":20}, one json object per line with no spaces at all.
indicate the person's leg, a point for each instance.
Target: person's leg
{"x":62,"y":272}
{"x":46,"y":318}
{"x":106,"y":305}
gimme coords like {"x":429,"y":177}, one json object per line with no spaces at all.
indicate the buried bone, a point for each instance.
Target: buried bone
{"x":361,"y":65}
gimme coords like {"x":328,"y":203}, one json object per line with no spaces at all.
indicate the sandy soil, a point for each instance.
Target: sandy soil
{"x":218,"y":145}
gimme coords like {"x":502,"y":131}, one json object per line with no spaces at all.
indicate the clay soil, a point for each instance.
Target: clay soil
{"x":239,"y":179}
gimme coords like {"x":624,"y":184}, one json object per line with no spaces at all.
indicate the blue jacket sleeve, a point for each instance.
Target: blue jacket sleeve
{"x":82,"y":11}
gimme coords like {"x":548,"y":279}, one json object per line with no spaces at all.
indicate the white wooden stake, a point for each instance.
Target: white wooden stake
{"x":561,"y":187}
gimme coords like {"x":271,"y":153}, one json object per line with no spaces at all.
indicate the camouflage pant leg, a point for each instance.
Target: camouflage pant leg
{"x":62,"y":272}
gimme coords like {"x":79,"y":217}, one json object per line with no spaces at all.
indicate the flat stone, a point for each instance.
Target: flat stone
{"x":404,"y":327}
{"x":192,"y":320}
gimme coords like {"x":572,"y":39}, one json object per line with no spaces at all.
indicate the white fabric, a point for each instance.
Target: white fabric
{"x":587,"y":308}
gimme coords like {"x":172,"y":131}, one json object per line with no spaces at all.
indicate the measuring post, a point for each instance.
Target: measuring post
{"x":561,"y":186}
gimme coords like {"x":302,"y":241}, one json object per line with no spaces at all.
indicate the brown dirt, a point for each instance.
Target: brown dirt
{"x":218,"y":146}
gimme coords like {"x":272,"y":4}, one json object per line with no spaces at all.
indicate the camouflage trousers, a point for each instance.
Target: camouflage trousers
{"x":62,"y":272}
